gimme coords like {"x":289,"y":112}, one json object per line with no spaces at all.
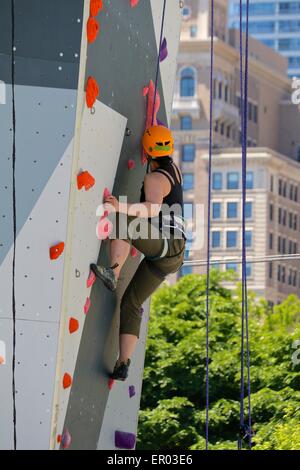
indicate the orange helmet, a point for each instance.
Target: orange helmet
{"x":158,"y":141}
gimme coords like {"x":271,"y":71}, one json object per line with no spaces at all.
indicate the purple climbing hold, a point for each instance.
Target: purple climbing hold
{"x":66,"y":439}
{"x":141,"y":311}
{"x":163,"y":54}
{"x":125,"y":440}
{"x":131,"y":391}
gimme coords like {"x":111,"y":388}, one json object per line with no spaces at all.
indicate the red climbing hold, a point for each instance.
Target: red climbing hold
{"x":125,"y":440}
{"x":92,"y":92}
{"x":134,"y":3}
{"x":67,"y":381}
{"x":66,"y":439}
{"x":110,"y":383}
{"x":91,"y":280}
{"x":58,"y":439}
{"x":87,"y":305}
{"x":95,"y":7}
{"x":106,"y":194}
{"x":131,"y":164}
{"x":73,"y":325}
{"x":85,"y":180}
{"x":133,"y":252}
{"x":56,"y":250}
{"x":92,"y":29}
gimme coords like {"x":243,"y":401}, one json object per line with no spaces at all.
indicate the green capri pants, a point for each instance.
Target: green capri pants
{"x":152,"y":270}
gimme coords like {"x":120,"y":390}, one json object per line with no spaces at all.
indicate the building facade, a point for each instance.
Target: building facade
{"x":276,"y":23}
{"x":273,"y":151}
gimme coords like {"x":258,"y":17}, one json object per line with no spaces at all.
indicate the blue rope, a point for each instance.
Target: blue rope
{"x":245,"y":431}
{"x":209,"y":223}
{"x":158,"y":58}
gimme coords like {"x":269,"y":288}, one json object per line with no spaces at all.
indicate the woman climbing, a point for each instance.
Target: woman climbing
{"x":155,"y":227}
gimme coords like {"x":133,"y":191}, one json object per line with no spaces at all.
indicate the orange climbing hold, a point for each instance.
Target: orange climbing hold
{"x":95,"y":7}
{"x":73,"y":325}
{"x":92,"y":92}
{"x":56,"y":250}
{"x":93,"y":28}
{"x":134,"y":3}
{"x":58,"y":439}
{"x":67,"y":381}
{"x":2,"y":360}
{"x":85,"y":180}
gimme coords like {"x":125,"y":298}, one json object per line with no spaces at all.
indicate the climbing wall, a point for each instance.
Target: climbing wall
{"x":58,"y":328}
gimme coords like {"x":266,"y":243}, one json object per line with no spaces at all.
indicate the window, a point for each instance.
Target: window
{"x":279,"y":273}
{"x":228,"y":132}
{"x":290,"y":220}
{"x":271,"y":241}
{"x":232,"y":209}
{"x":283,"y":245}
{"x":216,"y":239}
{"x":188,"y":181}
{"x":270,"y":270}
{"x":194,"y":31}
{"x":231,"y":267}
{"x":271,"y":183}
{"x":250,"y":111}
{"x":248,"y":269}
{"x":298,"y":153}
{"x":216,"y":210}
{"x":290,"y":247}
{"x":296,"y":194}
{"x":289,"y":8}
{"x":226,"y":93}
{"x":188,"y":210}
{"x":222,"y":128}
{"x":295,"y":222}
{"x":217,"y":181}
{"x":186,"y":12}
{"x":289,"y":26}
{"x":271,"y":212}
{"x":186,"y":123}
{"x":283,"y":274}
{"x":232,"y":180}
{"x":284,"y":212}
{"x":220,"y":89}
{"x":279,"y":215}
{"x":295,"y":278}
{"x":248,"y":238}
{"x":188,"y":152}
{"x":284,"y":189}
{"x":216,"y":266}
{"x":249,"y":180}
{"x":231,"y":239}
{"x":280,"y":187}
{"x":291,"y":192}
{"x":185,"y":270}
{"x":255,"y":113}
{"x":249,"y":210}
{"x":187,"y":82}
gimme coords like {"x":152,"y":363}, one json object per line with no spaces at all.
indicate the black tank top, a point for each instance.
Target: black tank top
{"x":173,"y":200}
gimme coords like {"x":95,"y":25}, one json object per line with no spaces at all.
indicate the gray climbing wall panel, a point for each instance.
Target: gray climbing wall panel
{"x":47,"y":65}
{"x":41,"y":68}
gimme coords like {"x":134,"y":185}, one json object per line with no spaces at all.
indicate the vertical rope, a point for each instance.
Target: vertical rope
{"x":209,"y":224}
{"x":158,"y":58}
{"x":245,"y":430}
{"x":14,"y":219}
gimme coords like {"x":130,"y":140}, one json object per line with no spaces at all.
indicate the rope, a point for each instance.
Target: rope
{"x":209,"y":226}
{"x":14,"y":220}
{"x":238,"y":260}
{"x":158,"y":58}
{"x":245,"y":430}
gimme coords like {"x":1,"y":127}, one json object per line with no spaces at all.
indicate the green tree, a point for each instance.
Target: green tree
{"x":173,"y":400}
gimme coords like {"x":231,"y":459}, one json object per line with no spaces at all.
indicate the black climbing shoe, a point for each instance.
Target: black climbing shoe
{"x":106,"y":275}
{"x":120,"y":372}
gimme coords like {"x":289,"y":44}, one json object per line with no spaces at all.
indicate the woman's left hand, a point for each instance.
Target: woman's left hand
{"x":111,"y":201}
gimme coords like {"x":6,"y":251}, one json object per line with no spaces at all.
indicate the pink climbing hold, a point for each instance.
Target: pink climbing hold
{"x":90,"y":280}
{"x":149,"y":92}
{"x":131,"y":164}
{"x":133,"y":252}
{"x":66,"y":439}
{"x":110,"y":383}
{"x":87,"y":305}
{"x":125,"y":440}
{"x":104,"y":228}
{"x":106,"y":194}
{"x":131,"y":391}
{"x":134,"y":3}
